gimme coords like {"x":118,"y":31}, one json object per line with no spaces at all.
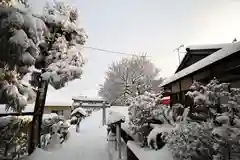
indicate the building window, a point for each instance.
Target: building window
{"x":58,"y":112}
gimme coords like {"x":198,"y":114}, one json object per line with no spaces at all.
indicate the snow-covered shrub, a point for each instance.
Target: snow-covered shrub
{"x":157,"y":137}
{"x":218,"y":105}
{"x":13,"y":136}
{"x":171,"y":118}
{"x":141,"y":111}
{"x":53,"y":123}
{"x":30,"y":42}
{"x":191,"y":140}
{"x":14,"y":133}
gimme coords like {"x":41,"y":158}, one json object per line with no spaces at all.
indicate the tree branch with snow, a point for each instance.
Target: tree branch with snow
{"x":30,"y":42}
{"x":128,"y":78}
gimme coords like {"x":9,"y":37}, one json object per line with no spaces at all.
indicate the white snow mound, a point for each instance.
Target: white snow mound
{"x":79,"y":110}
{"x":114,"y":117}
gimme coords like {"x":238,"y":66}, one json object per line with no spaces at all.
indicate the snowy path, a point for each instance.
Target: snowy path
{"x":92,"y":143}
{"x":89,"y":144}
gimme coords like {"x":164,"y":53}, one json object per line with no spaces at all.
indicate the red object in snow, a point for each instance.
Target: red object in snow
{"x":166,"y":100}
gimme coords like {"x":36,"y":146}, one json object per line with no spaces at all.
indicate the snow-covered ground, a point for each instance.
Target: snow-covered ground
{"x":89,"y":144}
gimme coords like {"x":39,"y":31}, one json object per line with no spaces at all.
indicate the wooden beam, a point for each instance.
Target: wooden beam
{"x":103,"y":116}
{"x":86,"y":100}
{"x":118,"y":141}
{"x":18,"y":114}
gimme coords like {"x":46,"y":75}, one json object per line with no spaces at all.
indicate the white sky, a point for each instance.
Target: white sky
{"x":154,"y":26}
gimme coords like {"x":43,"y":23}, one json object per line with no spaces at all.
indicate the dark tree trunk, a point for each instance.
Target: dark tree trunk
{"x":37,"y":118}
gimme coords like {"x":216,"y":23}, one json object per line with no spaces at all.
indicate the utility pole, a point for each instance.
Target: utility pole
{"x":177,"y":49}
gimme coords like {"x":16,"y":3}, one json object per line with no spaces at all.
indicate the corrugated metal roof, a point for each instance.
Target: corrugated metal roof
{"x":225,"y":52}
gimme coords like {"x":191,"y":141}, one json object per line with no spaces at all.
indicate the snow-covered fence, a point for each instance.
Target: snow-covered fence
{"x":114,"y":123}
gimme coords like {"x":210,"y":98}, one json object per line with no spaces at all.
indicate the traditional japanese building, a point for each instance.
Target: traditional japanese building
{"x":203,"y":63}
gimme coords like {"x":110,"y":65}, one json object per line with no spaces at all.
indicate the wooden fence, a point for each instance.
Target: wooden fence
{"x":122,"y":137}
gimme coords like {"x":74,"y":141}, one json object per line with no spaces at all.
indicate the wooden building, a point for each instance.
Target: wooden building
{"x":203,"y":63}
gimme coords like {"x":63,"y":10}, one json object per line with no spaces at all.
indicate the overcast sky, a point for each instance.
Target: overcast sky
{"x":153,"y":26}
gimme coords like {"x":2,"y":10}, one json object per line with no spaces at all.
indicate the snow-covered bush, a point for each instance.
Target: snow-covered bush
{"x":191,"y":140}
{"x":216,"y":130}
{"x":171,"y":117}
{"x":141,"y":111}
{"x":14,"y":133}
{"x":157,"y":137}
{"x":30,"y":42}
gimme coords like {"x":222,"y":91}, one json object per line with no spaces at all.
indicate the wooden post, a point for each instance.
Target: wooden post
{"x":118,"y":140}
{"x":38,"y":113}
{"x":104,"y":114}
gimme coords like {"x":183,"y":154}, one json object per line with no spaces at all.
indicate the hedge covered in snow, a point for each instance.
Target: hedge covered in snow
{"x":213,"y":130}
{"x":207,"y":130}
{"x":14,"y":133}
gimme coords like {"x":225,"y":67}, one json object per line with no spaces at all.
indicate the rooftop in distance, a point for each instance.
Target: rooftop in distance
{"x":88,"y":99}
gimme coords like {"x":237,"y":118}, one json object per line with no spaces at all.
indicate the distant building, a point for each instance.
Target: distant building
{"x":203,"y":63}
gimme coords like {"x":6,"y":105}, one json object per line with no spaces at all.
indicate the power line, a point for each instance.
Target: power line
{"x":110,"y":51}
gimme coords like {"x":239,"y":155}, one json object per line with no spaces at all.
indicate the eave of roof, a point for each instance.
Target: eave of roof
{"x":207,"y":46}
{"x":222,"y":53}
{"x":200,"y":47}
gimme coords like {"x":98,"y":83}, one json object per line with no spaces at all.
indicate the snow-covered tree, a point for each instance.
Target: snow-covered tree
{"x":31,"y":42}
{"x":128,"y":78}
{"x":216,"y":134}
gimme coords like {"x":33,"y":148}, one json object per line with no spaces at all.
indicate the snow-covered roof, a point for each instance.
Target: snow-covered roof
{"x":97,"y":105}
{"x":227,"y":51}
{"x":208,"y":46}
{"x":84,"y":99}
{"x":200,"y":47}
{"x":56,"y":98}
{"x":79,"y":110}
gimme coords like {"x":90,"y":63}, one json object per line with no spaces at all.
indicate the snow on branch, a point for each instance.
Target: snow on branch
{"x":128,"y":78}
{"x":30,"y":42}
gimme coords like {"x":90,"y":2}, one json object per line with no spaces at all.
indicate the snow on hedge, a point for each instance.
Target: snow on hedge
{"x":146,"y":153}
{"x":162,"y":130}
{"x":28,"y":108}
{"x":114,"y":117}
